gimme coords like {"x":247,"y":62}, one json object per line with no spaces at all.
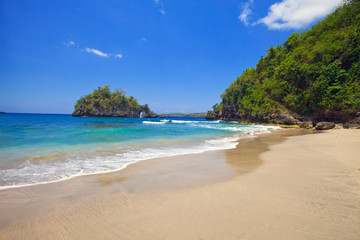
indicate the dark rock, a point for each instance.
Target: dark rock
{"x":211,"y":115}
{"x":148,"y":114}
{"x":306,"y":125}
{"x":118,"y":111}
{"x":282,"y":118}
{"x":335,"y":115}
{"x":229,"y":112}
{"x":325,"y":125}
{"x":339,"y":126}
{"x":353,"y":124}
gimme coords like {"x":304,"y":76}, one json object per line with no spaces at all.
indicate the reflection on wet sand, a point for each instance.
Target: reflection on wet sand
{"x":246,"y":156}
{"x":194,"y":169}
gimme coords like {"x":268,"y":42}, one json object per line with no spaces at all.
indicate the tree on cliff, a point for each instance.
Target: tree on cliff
{"x":103,"y":102}
{"x":313,"y":73}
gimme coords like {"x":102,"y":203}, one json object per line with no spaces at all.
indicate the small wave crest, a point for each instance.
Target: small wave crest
{"x":32,"y":173}
{"x":189,"y":122}
{"x":150,"y":122}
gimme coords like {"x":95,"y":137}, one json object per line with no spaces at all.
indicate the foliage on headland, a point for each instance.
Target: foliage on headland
{"x":104,"y":103}
{"x":314,"y":74}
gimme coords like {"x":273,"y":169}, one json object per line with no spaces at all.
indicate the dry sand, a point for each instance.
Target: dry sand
{"x":305,"y":187}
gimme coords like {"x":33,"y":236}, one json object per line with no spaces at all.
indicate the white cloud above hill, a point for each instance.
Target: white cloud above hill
{"x":292,"y":14}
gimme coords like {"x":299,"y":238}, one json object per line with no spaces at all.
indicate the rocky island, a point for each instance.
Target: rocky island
{"x":314,"y":76}
{"x":104,"y":103}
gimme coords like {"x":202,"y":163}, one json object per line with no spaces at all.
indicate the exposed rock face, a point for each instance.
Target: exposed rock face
{"x":354,"y":124}
{"x":306,"y":125}
{"x":230,"y":112}
{"x":104,"y":103}
{"x":339,"y":116}
{"x":325,"y":120}
{"x":149,"y":114}
{"x":325,"y":125}
{"x":211,"y":115}
{"x":282,"y":118}
{"x":119,"y":111}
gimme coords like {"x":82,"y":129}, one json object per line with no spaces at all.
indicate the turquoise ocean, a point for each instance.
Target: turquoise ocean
{"x":43,"y":148}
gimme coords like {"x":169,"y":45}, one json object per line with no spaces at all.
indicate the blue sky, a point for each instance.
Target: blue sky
{"x":177,"y":56}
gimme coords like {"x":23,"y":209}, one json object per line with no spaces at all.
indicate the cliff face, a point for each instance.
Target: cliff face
{"x":117,"y":111}
{"x":312,"y":77}
{"x":229,"y":112}
{"x":104,"y":103}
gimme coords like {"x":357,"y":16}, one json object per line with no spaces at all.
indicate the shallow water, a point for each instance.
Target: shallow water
{"x":42,"y":148}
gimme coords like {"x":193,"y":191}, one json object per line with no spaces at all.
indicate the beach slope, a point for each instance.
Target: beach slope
{"x":307,"y":187}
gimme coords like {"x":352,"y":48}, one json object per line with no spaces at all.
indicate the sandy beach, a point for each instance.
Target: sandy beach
{"x":290,"y":184}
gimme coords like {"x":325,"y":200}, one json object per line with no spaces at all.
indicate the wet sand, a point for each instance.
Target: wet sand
{"x":283,"y":185}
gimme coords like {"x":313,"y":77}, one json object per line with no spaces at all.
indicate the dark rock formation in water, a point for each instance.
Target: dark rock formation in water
{"x":104,"y":103}
{"x":98,"y":111}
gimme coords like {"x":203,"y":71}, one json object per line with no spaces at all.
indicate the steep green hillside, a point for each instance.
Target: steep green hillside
{"x":104,"y":103}
{"x":313,"y":74}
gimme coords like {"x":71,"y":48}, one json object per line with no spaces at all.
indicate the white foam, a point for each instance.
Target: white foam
{"x":188,"y":122}
{"x":239,"y":127}
{"x":49,"y":172}
{"x":32,"y":173}
{"x":150,"y":122}
{"x":184,"y":121}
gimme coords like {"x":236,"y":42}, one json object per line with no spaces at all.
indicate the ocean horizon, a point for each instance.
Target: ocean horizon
{"x":44,"y":148}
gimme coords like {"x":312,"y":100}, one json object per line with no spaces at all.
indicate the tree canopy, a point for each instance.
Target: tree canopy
{"x":103,"y":98}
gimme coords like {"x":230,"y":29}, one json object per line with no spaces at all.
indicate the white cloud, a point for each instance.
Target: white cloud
{"x":295,"y":14}
{"x":93,"y":50}
{"x":144,"y":39}
{"x":161,"y":6}
{"x":97,"y":52}
{"x":69,"y":43}
{"x":246,"y":12}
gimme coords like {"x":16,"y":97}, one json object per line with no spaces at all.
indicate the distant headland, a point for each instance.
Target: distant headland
{"x":184,"y":114}
{"x":104,"y":103}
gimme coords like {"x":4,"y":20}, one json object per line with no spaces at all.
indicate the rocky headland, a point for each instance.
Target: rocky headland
{"x":311,"y":80}
{"x":104,"y":103}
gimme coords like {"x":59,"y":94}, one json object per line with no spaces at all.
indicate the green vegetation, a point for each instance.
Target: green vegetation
{"x":104,"y":103}
{"x":312,"y":72}
{"x":103,"y":98}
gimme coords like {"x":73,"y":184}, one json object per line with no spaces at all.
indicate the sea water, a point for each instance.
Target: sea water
{"x":43,"y":148}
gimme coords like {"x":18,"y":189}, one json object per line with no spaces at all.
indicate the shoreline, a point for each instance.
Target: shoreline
{"x":146,"y":197}
{"x":209,"y":167}
{"x":189,"y":152}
